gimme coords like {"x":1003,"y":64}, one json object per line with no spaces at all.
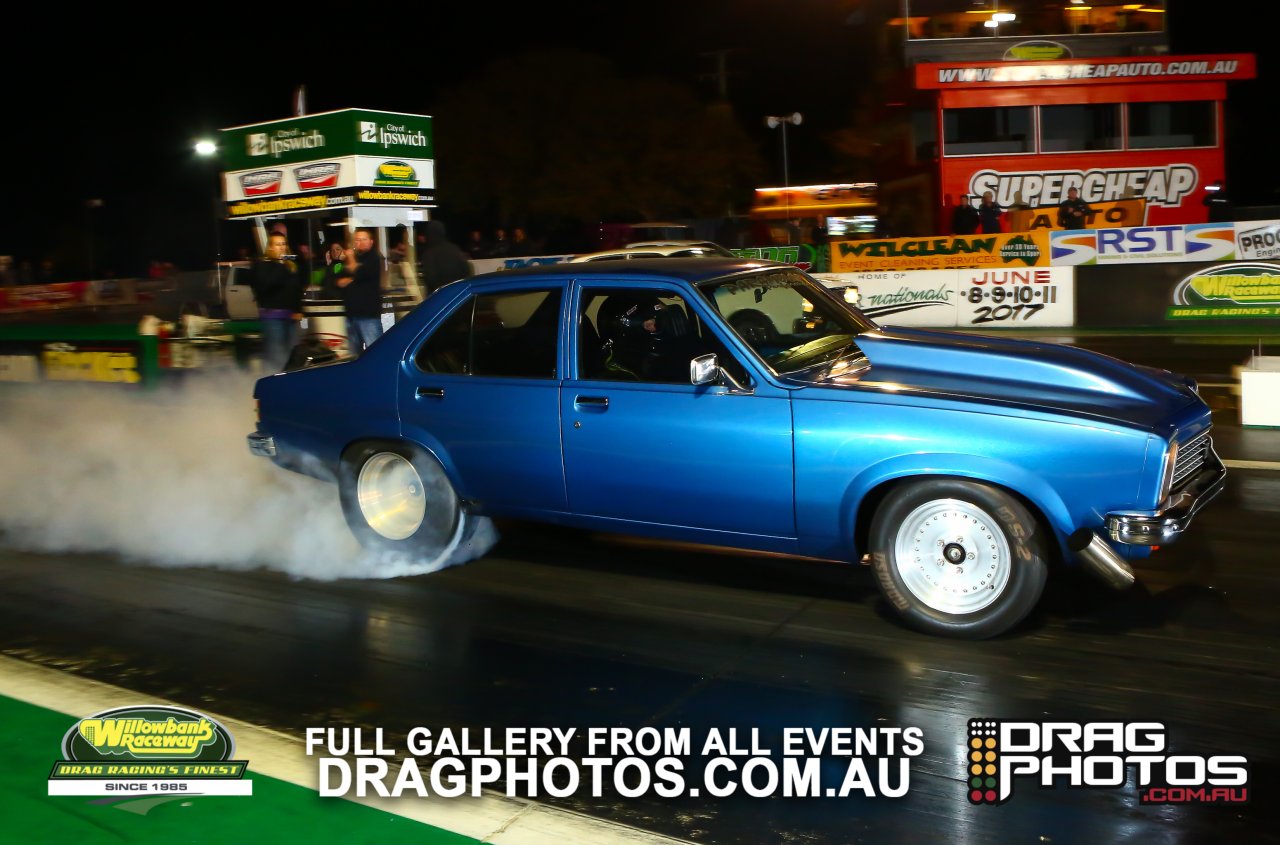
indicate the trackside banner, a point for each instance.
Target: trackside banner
{"x":1159,"y":293}
{"x":1038,"y":296}
{"x":1128,"y":245}
{"x":1019,"y":249}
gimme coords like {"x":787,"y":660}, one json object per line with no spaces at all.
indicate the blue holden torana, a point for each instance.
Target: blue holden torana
{"x":741,"y":403}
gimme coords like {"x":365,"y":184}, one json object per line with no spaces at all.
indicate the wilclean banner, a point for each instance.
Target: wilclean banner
{"x":1021,"y":249}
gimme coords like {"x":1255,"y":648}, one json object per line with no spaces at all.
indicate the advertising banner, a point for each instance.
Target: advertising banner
{"x":808,"y":200}
{"x":941,"y":253}
{"x":1228,"y":292}
{"x":332,"y":175}
{"x":805,"y":256}
{"x":1115,"y":213}
{"x":1144,"y":244}
{"x":101,"y":361}
{"x":325,"y":160}
{"x":1124,"y":187}
{"x":32,"y":297}
{"x":959,"y":75}
{"x":1155,"y":294}
{"x":492,"y":265}
{"x":319,"y":137}
{"x":1040,"y":296}
{"x":318,"y":200}
{"x":1257,"y":239}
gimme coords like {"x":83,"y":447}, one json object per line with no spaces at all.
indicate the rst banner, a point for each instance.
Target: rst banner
{"x":1011,"y":250}
{"x":1040,"y":296}
{"x":1241,"y":240}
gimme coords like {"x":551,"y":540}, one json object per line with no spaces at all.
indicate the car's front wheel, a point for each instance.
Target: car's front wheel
{"x":958,"y":558}
{"x":396,"y":497}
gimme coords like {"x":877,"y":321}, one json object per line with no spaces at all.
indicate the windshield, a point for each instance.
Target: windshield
{"x":791,"y":321}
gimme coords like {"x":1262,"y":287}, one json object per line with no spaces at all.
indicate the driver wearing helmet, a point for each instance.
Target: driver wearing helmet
{"x":636,"y":332}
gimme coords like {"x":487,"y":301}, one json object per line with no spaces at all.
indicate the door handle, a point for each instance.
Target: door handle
{"x":430,"y":393}
{"x":601,"y":402}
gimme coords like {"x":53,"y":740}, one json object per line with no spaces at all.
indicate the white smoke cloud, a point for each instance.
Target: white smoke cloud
{"x":165,"y":477}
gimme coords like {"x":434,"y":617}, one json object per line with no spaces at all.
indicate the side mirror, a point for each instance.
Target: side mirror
{"x":705,"y":369}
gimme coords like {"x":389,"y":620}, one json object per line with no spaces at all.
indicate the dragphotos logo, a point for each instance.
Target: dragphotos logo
{"x":1096,"y":755}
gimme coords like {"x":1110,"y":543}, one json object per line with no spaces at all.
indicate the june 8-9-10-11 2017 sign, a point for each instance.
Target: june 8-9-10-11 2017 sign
{"x":996,"y":298}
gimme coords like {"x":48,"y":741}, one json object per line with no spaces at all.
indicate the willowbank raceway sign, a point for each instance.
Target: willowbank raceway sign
{"x":329,"y":160}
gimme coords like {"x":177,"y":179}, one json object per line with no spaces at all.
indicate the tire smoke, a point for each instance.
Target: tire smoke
{"x":165,"y":478}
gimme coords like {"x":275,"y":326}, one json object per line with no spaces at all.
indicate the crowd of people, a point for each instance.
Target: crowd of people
{"x":987,"y":216}
{"x":357,"y":275}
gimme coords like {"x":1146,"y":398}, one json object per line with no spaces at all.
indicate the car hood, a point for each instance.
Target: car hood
{"x":1049,"y":376}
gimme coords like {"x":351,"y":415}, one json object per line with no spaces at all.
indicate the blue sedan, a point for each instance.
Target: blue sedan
{"x":741,"y":403}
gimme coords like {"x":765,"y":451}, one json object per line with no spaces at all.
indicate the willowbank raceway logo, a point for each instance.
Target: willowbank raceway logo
{"x":1096,"y":755}
{"x":148,"y":750}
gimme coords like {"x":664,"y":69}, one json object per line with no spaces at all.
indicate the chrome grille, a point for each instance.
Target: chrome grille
{"x":1191,"y":457}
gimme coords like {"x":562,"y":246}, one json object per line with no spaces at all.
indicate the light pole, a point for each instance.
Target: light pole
{"x":208,"y":149}
{"x":89,"y":206}
{"x":773,"y":122}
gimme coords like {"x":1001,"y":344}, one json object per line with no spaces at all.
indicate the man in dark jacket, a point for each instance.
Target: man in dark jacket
{"x":360,"y":286}
{"x":442,"y":261}
{"x":278,"y":290}
{"x":1074,"y":212}
{"x":965,"y":219}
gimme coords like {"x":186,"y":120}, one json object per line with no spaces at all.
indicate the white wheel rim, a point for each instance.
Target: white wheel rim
{"x":952,"y":556}
{"x":391,"y":496}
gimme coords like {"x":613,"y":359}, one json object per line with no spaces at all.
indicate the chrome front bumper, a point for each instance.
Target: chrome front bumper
{"x":1152,"y":528}
{"x":262,"y":444}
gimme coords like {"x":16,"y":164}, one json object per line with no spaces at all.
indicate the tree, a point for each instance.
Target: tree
{"x":560,"y":134}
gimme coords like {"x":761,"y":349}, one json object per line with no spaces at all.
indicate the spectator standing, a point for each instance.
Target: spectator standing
{"x":965,"y":219}
{"x":305,"y":261}
{"x":360,"y":287}
{"x":1074,"y":212}
{"x":990,"y":213}
{"x":476,"y":247}
{"x":278,"y":290}
{"x":442,"y":260}
{"x":501,"y":247}
{"x":520,"y":243}
{"x":335,"y":264}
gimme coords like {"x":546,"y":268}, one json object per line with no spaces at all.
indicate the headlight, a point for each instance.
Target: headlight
{"x":1166,"y":481}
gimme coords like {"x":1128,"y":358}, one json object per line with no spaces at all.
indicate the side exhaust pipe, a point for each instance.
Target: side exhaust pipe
{"x":1101,"y":559}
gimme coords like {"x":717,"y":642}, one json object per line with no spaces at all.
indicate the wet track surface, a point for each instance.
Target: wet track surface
{"x":562,"y":628}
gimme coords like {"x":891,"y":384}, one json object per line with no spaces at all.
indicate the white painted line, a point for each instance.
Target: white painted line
{"x":1269,"y":465}
{"x":490,"y":818}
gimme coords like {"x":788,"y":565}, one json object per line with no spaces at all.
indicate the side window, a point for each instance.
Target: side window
{"x":643,"y":335}
{"x":504,"y":334}
{"x":448,"y":348}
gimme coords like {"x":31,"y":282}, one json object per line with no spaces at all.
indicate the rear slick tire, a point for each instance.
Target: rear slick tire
{"x":396,"y":498}
{"x":958,"y":558}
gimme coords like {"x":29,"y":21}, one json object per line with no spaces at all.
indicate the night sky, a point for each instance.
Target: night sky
{"x":107,"y":106}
